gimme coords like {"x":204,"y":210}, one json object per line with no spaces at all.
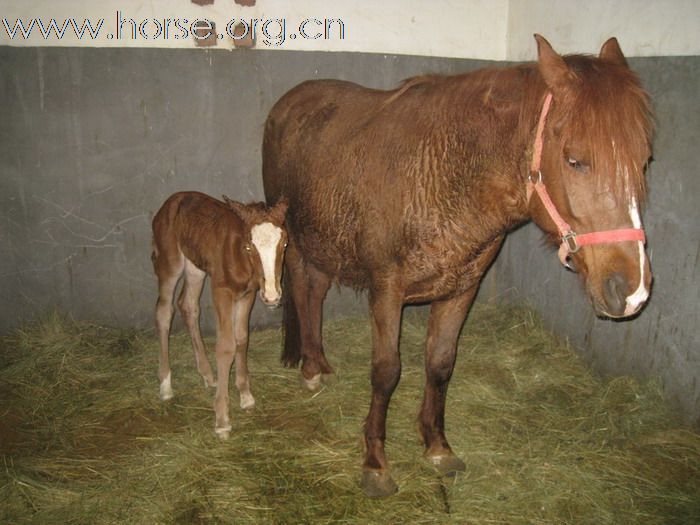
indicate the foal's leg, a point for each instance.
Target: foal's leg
{"x":168,"y":268}
{"x":385,"y":308}
{"x":445,"y":321}
{"x":241,"y":316}
{"x":225,"y":350}
{"x":189,"y":307}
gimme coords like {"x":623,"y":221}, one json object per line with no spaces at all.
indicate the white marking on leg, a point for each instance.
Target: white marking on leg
{"x":166,"y":389}
{"x":247,"y":400}
{"x":641,"y":294}
{"x":223,"y":432}
{"x":312,"y":384}
{"x":266,"y":237}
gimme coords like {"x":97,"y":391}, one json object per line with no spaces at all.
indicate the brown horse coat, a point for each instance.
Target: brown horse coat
{"x":409,"y":194}
{"x":241,"y":248}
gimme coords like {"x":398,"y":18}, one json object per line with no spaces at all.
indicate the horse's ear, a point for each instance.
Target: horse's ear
{"x":552,"y":67}
{"x":611,"y":52}
{"x":239,"y":209}
{"x":280,"y":209}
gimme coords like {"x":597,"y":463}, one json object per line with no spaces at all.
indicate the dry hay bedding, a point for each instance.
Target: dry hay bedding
{"x":84,"y":438}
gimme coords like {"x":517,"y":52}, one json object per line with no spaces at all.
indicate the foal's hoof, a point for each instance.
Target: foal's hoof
{"x":166,"y":389}
{"x":448,"y":464}
{"x":378,"y":484}
{"x":166,"y":396}
{"x":247,"y":401}
{"x":224,"y":433}
{"x":312,"y":384}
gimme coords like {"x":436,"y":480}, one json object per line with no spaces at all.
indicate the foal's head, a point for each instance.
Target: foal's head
{"x":596,"y":146}
{"x":265,"y":241}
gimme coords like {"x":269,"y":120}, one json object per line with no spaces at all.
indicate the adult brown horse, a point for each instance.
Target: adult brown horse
{"x":410,"y":193}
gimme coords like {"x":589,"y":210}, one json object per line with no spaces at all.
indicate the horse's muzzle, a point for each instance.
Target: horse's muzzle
{"x":270,"y":303}
{"x":617,"y":300}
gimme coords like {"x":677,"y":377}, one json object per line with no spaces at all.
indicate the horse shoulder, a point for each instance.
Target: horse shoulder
{"x":234,"y":269}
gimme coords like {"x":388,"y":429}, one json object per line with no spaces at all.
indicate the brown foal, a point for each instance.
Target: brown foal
{"x":241,"y":248}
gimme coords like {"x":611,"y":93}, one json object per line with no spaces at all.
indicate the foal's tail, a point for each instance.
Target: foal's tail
{"x":291,"y":353}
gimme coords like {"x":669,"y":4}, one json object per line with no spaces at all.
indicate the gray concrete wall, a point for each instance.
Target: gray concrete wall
{"x":93,"y":141}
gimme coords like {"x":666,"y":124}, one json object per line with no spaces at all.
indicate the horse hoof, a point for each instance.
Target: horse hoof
{"x":166,"y":396}
{"x":166,"y":389}
{"x":378,"y":484}
{"x":247,"y":401}
{"x":312,"y":384}
{"x":448,"y":464}
{"x":224,"y":433}
{"x":209,"y":383}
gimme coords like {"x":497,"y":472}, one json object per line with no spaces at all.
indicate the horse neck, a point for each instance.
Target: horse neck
{"x":498,"y":165}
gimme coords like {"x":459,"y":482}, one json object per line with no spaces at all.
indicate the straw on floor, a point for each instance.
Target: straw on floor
{"x":85,"y":439}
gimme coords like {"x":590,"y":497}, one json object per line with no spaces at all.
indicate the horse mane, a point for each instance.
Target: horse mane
{"x":613,"y":112}
{"x":606,"y":108}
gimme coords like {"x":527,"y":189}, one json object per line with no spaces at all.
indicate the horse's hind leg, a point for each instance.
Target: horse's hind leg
{"x":315,"y":363}
{"x":188,"y":303}
{"x":307,"y":287}
{"x":241,"y":317}
{"x":445,"y":321}
{"x":168,"y":268}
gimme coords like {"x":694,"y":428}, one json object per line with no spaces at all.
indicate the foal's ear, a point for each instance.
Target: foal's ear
{"x":239,"y":209}
{"x":279,"y":210}
{"x":552,"y":67}
{"x":611,"y":52}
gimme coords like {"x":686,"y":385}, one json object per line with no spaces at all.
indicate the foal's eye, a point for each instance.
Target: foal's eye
{"x":247,"y":247}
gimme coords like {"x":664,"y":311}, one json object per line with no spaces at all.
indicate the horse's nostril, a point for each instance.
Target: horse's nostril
{"x":615,"y":294}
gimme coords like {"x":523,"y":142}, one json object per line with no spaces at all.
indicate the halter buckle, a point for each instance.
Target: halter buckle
{"x":530,"y":178}
{"x":569,"y":240}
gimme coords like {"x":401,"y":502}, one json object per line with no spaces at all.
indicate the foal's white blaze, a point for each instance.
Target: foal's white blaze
{"x":641,"y":294}
{"x":266,"y":237}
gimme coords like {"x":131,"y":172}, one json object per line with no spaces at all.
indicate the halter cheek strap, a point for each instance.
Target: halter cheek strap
{"x":571,"y":241}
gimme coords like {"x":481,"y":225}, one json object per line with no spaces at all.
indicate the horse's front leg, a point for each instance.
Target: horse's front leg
{"x":385,"y":306}
{"x":241,"y":316}
{"x":445,"y":321}
{"x":225,"y":351}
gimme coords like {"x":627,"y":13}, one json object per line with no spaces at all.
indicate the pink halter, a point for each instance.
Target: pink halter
{"x":570,"y":240}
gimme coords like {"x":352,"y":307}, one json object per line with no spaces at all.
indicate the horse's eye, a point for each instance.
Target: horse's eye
{"x":576,"y":164}
{"x":247,"y":247}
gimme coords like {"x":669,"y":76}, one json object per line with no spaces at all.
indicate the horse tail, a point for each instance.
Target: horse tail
{"x":291,"y":352}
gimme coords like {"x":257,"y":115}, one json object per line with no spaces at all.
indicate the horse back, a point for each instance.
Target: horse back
{"x":202,"y":228}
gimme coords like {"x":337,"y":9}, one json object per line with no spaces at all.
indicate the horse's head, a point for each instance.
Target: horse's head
{"x":266,"y":239}
{"x":595,"y":146}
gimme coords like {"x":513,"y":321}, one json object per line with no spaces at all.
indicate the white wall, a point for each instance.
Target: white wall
{"x":643,"y":27}
{"x":449,"y":28}
{"x":482,"y":29}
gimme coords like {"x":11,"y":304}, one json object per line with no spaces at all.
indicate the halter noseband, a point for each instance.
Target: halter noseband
{"x":570,"y":240}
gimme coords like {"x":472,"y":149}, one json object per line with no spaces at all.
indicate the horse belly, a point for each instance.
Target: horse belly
{"x":327,"y":238}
